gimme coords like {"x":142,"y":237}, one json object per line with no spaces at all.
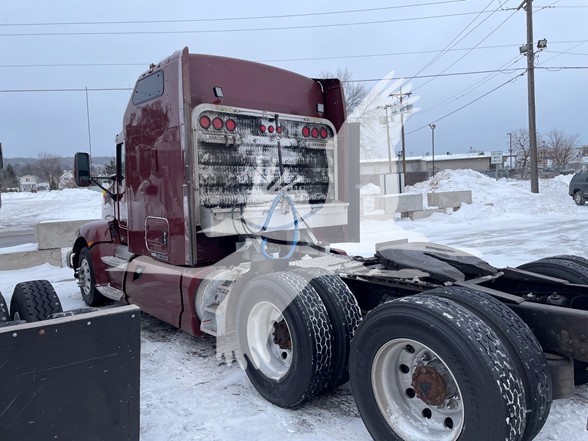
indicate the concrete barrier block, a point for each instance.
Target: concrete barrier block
{"x":26,"y":259}
{"x":449,"y":199}
{"x":57,"y":234}
{"x":399,"y":203}
{"x":422,"y":214}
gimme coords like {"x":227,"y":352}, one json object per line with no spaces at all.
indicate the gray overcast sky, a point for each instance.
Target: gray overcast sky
{"x":55,"y":122}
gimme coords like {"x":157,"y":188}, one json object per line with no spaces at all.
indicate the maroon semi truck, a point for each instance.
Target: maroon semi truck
{"x":231,"y":183}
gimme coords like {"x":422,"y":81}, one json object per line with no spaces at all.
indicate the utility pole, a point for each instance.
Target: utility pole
{"x":401,"y":95}
{"x":528,"y":4}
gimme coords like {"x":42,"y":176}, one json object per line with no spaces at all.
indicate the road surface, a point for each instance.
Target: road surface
{"x":11,"y":238}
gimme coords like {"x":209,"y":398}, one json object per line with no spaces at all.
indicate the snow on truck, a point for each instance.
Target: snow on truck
{"x":230,"y":186}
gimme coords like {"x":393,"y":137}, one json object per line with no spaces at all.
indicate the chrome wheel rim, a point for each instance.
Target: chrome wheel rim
{"x":416,"y":392}
{"x":85,"y":279}
{"x":268,"y":340}
{"x":578,"y":197}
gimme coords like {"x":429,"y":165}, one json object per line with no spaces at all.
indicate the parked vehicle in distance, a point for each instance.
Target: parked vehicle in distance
{"x":579,"y":188}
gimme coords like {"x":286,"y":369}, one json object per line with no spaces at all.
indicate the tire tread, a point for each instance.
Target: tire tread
{"x":344,"y":313}
{"x":34,"y":301}
{"x":524,"y":349}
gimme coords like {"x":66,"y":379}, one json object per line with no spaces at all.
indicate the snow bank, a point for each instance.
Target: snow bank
{"x":503,"y":197}
{"x":368,"y":201}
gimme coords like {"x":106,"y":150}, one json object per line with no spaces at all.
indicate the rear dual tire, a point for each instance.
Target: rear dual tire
{"x":426,"y":368}
{"x":344,"y":314}
{"x":285,"y":338}
{"x":524,"y":350}
{"x":574,"y":269}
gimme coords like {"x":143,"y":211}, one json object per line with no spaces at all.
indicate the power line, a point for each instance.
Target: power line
{"x":273,"y":60}
{"x":489,"y":77}
{"x":564,"y":53}
{"x":389,"y":54}
{"x":579,"y":43}
{"x":558,"y":68}
{"x":550,"y":68}
{"x":103,"y":89}
{"x":212,"y":19}
{"x":78,"y":89}
{"x":469,"y":51}
{"x":214,"y":31}
{"x":568,"y":7}
{"x":470,"y":103}
{"x":74,"y":65}
{"x":451,"y":74}
{"x":449,"y":45}
{"x":277,"y":60}
{"x":458,"y":96}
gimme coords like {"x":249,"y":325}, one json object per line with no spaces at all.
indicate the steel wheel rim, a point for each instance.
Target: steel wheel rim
{"x":393,"y":371}
{"x":85,"y":277}
{"x":264,"y":352}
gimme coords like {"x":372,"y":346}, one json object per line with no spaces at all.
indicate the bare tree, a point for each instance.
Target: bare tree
{"x":49,"y":168}
{"x":354,"y":92}
{"x":560,"y":146}
{"x":520,"y":145}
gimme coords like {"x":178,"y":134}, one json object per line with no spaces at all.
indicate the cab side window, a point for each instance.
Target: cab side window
{"x":148,"y":88}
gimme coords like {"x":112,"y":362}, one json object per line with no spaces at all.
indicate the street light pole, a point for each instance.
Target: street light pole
{"x":89,"y":133}
{"x":510,"y":148}
{"x":388,"y":139}
{"x":432,"y":126}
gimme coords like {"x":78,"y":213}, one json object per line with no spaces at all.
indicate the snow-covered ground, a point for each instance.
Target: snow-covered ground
{"x":187,"y":395}
{"x":21,"y":211}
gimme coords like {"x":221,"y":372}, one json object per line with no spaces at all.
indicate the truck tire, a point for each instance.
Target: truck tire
{"x":523,"y":349}
{"x":34,"y":301}
{"x":4,"y":314}
{"x":570,"y":257}
{"x":574,"y":269}
{"x":87,"y":280}
{"x":344,"y":313}
{"x":426,"y":368}
{"x":285,"y":338}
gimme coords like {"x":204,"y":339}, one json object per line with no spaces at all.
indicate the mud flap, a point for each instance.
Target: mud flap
{"x":72,"y":378}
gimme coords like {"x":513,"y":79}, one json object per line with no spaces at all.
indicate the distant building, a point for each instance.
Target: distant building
{"x":418,"y":168}
{"x":27,"y":183}
{"x":579,"y":160}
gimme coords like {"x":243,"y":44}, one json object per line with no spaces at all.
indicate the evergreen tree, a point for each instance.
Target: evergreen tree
{"x":9,"y":179}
